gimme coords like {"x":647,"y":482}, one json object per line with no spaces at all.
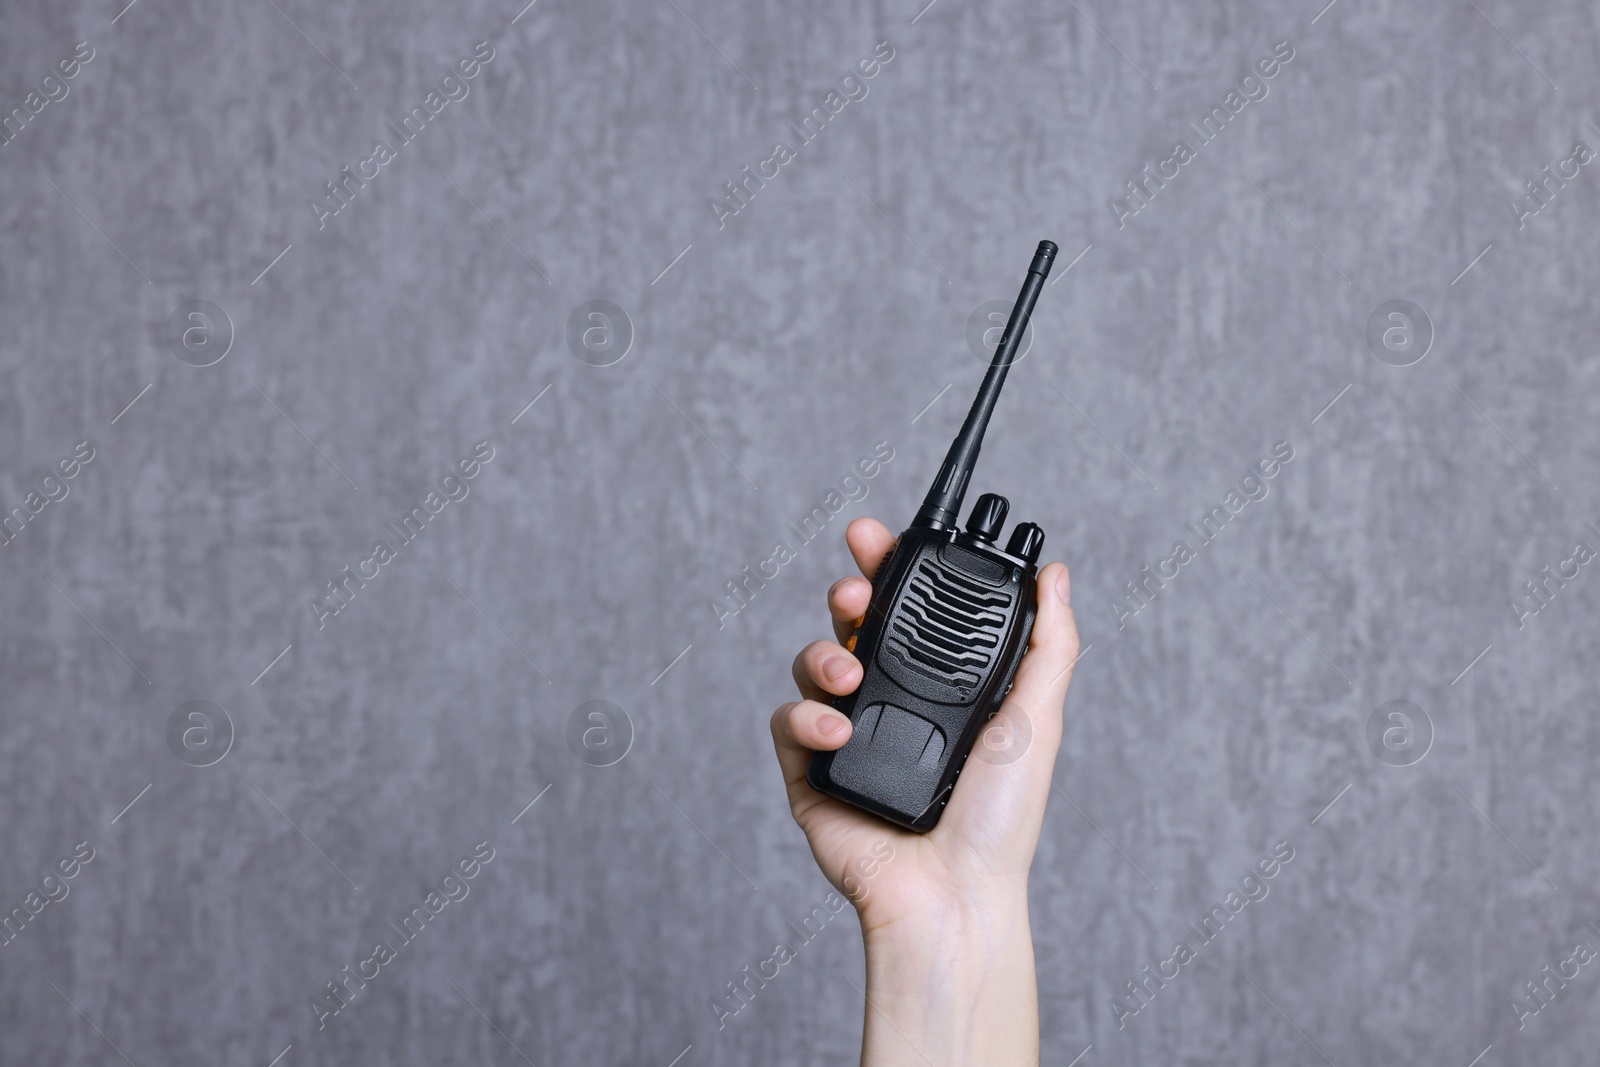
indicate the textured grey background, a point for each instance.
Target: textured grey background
{"x":822,"y":318}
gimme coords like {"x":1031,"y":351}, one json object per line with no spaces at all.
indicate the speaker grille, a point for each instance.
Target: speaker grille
{"x":947,"y":626}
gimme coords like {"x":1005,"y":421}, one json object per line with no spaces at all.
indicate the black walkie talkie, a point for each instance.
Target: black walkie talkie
{"x":945,"y":632}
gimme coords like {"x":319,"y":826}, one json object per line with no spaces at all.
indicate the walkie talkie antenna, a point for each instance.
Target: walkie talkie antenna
{"x":942,"y":506}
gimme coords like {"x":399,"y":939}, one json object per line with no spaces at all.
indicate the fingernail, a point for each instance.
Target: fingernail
{"x":835,"y":667}
{"x":829,"y":725}
{"x":1064,"y":586}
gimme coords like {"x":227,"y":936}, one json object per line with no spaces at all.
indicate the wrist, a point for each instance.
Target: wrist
{"x":969,"y":919}
{"x":953,"y":983}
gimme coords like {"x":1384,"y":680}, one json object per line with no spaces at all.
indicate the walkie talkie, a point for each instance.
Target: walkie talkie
{"x":945,"y":632}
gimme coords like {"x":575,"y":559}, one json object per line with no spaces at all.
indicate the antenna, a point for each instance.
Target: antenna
{"x":941,"y":507}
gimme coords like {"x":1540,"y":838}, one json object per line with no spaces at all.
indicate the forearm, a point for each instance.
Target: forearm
{"x":954,"y":990}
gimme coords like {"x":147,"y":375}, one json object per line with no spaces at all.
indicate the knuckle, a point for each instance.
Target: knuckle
{"x":1073,"y":640}
{"x":781,"y":716}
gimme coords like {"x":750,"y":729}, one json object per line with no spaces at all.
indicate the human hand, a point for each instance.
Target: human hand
{"x":986,"y":837}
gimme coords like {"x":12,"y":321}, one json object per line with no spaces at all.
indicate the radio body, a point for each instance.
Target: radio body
{"x":941,"y":643}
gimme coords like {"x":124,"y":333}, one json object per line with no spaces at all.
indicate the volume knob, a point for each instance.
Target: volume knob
{"x":988,"y":516}
{"x":1026,"y":541}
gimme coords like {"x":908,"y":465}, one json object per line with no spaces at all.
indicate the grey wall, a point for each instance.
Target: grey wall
{"x":781,"y":345}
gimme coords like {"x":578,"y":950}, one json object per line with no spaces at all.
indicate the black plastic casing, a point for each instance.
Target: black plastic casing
{"x":949,"y":621}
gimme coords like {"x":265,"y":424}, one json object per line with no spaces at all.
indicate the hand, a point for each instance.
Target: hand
{"x":930,"y":904}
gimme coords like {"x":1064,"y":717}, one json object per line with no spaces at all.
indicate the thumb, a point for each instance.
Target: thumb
{"x":1046,"y":670}
{"x":1015,"y":754}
